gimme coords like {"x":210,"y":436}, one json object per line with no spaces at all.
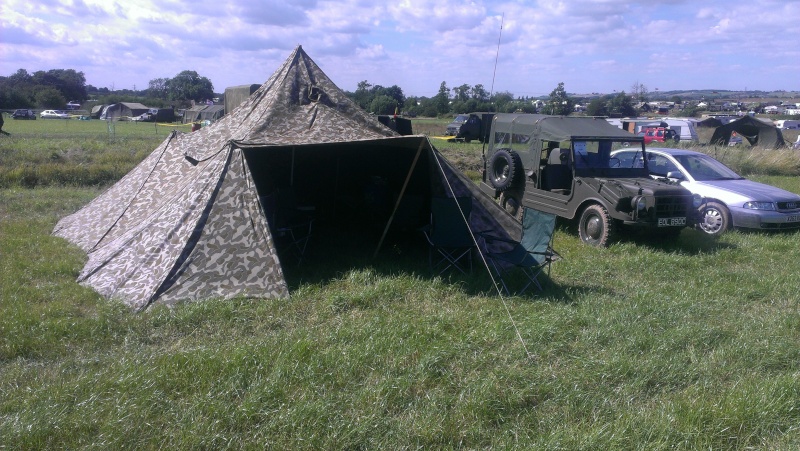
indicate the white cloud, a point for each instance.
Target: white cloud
{"x":589,"y":44}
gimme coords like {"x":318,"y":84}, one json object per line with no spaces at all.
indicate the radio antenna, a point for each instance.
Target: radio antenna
{"x":494,"y":74}
{"x":497,"y":54}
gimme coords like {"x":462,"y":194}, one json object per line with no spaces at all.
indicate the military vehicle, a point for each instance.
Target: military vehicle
{"x":562,"y":165}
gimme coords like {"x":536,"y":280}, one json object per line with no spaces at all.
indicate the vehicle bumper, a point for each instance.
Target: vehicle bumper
{"x":767,"y":220}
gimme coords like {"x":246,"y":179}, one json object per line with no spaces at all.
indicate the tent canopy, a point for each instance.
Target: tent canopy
{"x":189,"y":222}
{"x":757,"y":132}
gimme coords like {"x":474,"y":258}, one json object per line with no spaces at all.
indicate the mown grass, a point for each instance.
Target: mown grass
{"x":691,"y":344}
{"x":73,"y":152}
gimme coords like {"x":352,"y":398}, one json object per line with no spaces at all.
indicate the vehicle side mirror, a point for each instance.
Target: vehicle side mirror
{"x":678,"y":175}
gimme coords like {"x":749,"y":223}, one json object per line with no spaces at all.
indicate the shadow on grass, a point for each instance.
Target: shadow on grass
{"x":331,"y":258}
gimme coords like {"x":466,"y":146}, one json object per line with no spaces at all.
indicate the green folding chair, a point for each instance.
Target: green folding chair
{"x":531,"y":255}
{"x":449,"y":236}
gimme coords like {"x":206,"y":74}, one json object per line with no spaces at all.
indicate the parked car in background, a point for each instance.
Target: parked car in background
{"x":659,"y":134}
{"x":54,"y":114}
{"x":144,"y":117}
{"x":453,"y":127}
{"x":730,"y":200}
{"x":73,"y":105}
{"x":23,"y":114}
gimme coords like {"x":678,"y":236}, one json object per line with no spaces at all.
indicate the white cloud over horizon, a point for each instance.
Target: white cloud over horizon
{"x":590,"y":45}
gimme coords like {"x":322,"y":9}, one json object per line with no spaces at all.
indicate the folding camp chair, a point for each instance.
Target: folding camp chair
{"x":450,"y":239}
{"x":532,"y":254}
{"x":290,"y":223}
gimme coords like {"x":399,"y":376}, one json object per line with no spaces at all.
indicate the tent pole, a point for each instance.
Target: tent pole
{"x":291,"y":173}
{"x":399,"y":198}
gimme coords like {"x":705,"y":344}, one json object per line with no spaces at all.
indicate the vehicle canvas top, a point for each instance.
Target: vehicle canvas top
{"x":525,"y":133}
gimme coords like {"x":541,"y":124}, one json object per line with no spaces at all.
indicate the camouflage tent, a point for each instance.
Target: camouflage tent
{"x":189,"y":222}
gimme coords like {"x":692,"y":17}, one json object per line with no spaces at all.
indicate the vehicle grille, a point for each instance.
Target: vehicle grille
{"x":788,"y":206}
{"x":672,"y":206}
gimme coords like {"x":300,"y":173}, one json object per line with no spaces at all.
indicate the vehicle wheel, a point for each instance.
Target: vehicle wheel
{"x":715,"y":219}
{"x":596,"y":227}
{"x":511,"y":205}
{"x":504,"y":166}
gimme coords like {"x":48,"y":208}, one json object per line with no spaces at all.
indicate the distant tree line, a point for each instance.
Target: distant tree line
{"x":465,"y":98}
{"x":42,"y":89}
{"x":55,"y":87}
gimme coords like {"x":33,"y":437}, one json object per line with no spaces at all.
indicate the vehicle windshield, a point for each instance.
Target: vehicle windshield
{"x":597,"y":154}
{"x":461,"y":118}
{"x":705,"y":168}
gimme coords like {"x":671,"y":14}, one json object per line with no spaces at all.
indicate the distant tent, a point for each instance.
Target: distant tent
{"x":96,"y":110}
{"x":757,"y":132}
{"x":123,"y":110}
{"x":190,"y":222}
{"x":193,"y":114}
{"x":235,"y":95}
{"x":212,"y":113}
{"x":199,"y":113}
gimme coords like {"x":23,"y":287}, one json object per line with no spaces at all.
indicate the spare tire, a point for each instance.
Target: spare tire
{"x":504,"y":168}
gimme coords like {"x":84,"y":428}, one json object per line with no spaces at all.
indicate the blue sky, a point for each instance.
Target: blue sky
{"x":590,"y":45}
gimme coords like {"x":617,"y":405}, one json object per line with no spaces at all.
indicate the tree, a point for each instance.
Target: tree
{"x":621,"y":105}
{"x":157,"y":88}
{"x":461,"y":93}
{"x":559,"y":103}
{"x":478,"y":92}
{"x":639,"y":92}
{"x":383,"y":104}
{"x":442,"y":99}
{"x":69,"y":83}
{"x":49,"y":97}
{"x":189,"y":85}
{"x":396,"y":94}
{"x":503,"y":102}
{"x":597,"y":107}
{"x":363,"y":95}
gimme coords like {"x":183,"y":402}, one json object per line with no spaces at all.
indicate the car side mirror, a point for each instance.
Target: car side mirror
{"x":678,"y":175}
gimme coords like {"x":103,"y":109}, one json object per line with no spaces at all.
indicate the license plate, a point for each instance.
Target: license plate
{"x":671,"y":222}
{"x":793,"y":218}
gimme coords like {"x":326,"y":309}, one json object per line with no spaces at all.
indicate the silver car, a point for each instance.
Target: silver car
{"x":730,"y":199}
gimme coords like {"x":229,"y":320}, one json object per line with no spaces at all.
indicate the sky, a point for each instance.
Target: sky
{"x":524,"y":47}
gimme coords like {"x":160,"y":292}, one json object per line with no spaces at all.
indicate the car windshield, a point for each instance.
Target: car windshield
{"x":705,"y":168}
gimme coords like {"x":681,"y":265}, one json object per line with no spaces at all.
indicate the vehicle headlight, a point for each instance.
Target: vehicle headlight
{"x":697,"y":200}
{"x":639,"y":203}
{"x":755,"y":205}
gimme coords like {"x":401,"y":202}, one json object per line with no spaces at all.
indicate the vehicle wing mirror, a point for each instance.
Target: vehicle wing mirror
{"x":678,"y":175}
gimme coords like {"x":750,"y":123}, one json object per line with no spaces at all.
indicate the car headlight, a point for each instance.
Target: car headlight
{"x":759,"y":205}
{"x":697,"y":200}
{"x":639,"y":203}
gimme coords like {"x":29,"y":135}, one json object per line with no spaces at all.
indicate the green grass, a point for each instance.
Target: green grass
{"x":72,"y":152}
{"x":691,"y":344}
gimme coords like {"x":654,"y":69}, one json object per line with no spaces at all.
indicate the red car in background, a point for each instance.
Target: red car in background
{"x":659,"y":134}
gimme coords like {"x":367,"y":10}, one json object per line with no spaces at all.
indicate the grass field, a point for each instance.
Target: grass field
{"x":691,"y":344}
